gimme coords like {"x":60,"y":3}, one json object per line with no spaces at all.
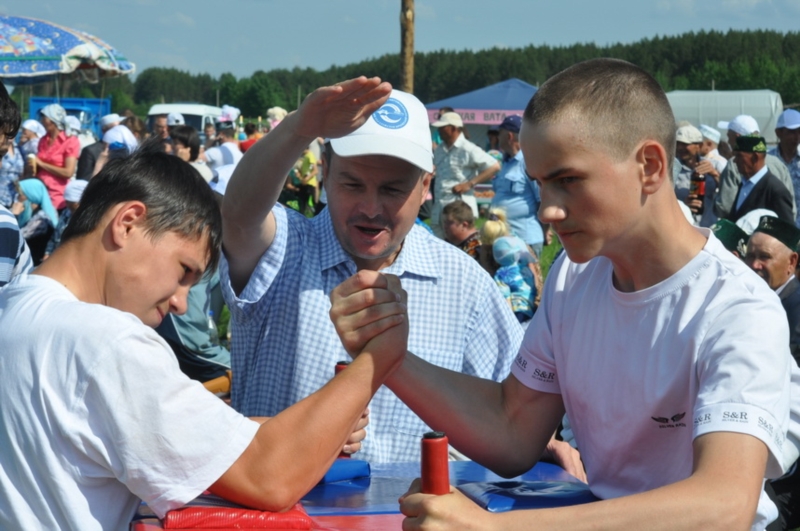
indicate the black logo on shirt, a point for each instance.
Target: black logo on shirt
{"x":672,"y":422}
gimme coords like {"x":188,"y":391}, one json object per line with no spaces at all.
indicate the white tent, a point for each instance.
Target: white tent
{"x":712,"y":106}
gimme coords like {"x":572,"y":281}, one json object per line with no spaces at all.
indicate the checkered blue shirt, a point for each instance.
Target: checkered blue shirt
{"x":285,"y":346}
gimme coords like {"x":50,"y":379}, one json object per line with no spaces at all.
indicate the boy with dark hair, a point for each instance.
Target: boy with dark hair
{"x":94,"y":411}
{"x":668,"y":355}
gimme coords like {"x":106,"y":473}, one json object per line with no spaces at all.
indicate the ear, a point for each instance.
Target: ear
{"x":654,"y":166}
{"x":129,"y":217}
{"x":426,"y":185}
{"x":793,"y":261}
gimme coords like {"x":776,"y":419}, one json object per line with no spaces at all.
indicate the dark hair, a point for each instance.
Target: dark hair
{"x":228,"y":131}
{"x":10,"y":118}
{"x":136,"y":125}
{"x":250,"y":128}
{"x":459,"y":211}
{"x":176,"y":196}
{"x":186,"y":135}
{"x":617,"y":102}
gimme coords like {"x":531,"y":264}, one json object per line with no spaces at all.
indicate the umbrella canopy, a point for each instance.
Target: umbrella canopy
{"x":489,"y":105}
{"x":35,"y":51}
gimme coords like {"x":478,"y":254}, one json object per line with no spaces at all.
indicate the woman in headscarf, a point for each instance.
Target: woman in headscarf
{"x":36,"y":216}
{"x":58,"y":153}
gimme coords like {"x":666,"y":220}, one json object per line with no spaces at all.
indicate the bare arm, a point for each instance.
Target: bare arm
{"x":65,"y":172}
{"x":248,"y":228}
{"x":292,"y":450}
{"x":483,"y":176}
{"x":718,"y":495}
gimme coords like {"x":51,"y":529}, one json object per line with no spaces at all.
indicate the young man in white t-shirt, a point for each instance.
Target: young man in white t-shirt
{"x":94,"y":411}
{"x":668,"y":355}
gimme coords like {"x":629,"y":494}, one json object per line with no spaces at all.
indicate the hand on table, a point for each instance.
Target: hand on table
{"x":369,"y":313}
{"x":353,"y":443}
{"x":454,"y":511}
{"x":336,"y":111}
{"x":566,"y":457}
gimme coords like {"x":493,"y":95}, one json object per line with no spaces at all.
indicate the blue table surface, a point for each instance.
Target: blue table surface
{"x":378,"y":494}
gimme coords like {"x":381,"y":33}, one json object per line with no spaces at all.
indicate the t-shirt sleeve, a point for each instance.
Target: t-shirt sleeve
{"x":743,"y":372}
{"x":163,"y":435}
{"x":72,"y":147}
{"x":535,"y":365}
{"x":481,"y":159}
{"x":242,"y":306}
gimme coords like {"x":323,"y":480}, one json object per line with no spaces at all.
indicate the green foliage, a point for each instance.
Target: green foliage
{"x":696,"y":61}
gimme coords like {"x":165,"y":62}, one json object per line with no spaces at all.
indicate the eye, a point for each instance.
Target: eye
{"x":567,"y":180}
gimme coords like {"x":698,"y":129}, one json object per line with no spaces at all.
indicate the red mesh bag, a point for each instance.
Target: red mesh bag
{"x":197,"y":517}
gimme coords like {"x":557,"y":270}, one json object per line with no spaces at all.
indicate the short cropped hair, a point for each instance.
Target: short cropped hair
{"x":186,"y":135}
{"x":459,"y":211}
{"x":10,"y":118}
{"x":618,"y":102}
{"x":176,"y":196}
{"x":250,"y":128}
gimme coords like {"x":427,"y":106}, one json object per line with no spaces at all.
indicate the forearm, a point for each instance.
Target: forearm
{"x":291,"y":451}
{"x":260,"y":175}
{"x":485,"y":175}
{"x":481,"y":417}
{"x":64,"y":172}
{"x":687,"y":505}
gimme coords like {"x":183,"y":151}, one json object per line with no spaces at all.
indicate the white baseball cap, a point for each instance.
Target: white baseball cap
{"x":449,"y":118}
{"x":689,"y":134}
{"x":744,"y":124}
{"x":398,"y":129}
{"x":175,"y":118}
{"x":710,"y":133}
{"x":789,"y":119}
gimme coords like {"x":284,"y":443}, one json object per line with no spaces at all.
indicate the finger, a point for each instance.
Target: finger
{"x":362,"y":301}
{"x":393,"y":284}
{"x":414,"y":488}
{"x":351,"y":448}
{"x":357,"y":436}
{"x":361,"y":424}
{"x":365,"y":334}
{"x":360,"y":281}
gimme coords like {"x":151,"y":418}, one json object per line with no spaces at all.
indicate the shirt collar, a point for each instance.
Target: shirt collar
{"x":414,"y":257}
{"x":517,"y":157}
{"x":757,"y":177}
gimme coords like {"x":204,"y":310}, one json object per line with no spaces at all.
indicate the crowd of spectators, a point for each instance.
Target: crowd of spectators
{"x":323,"y":256}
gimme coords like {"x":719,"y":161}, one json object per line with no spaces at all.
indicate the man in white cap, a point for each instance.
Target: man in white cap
{"x":279,"y":267}
{"x":709,"y":149}
{"x":460,"y":165}
{"x":730,"y":178}
{"x":788,"y":132}
{"x":688,"y":144}
{"x":90,"y":153}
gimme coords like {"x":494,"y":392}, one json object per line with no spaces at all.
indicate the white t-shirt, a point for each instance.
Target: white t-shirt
{"x":642,"y":374}
{"x":95,"y":413}
{"x":222,"y":155}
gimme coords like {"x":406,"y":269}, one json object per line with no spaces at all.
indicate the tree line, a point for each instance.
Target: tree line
{"x":732,"y":60}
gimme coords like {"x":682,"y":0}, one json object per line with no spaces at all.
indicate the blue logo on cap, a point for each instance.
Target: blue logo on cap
{"x":392,"y":115}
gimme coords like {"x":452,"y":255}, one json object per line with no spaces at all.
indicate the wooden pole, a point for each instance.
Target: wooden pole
{"x":407,"y":46}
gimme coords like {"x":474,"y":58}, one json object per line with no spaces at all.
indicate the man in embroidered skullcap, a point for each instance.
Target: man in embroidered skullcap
{"x":759,"y":187}
{"x":732,"y":236}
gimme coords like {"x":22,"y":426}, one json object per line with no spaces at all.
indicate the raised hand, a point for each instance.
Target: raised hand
{"x":338,"y":110}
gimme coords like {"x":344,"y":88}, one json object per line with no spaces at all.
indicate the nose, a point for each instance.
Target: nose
{"x":550,"y":209}
{"x":371,"y":204}
{"x":179,"y":302}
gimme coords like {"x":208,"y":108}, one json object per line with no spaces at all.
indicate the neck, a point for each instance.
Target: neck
{"x":77,"y":267}
{"x":658,"y":254}
{"x":512,"y":150}
{"x":453,"y":140}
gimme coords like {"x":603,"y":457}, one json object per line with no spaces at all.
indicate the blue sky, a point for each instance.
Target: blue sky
{"x":242,"y":36}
